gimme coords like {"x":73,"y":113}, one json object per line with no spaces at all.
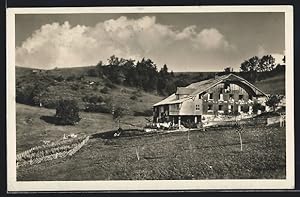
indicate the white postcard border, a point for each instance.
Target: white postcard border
{"x":14,"y":185}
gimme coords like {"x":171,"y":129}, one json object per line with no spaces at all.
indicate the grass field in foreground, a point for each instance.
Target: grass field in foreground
{"x":31,"y":130}
{"x":207,"y":155}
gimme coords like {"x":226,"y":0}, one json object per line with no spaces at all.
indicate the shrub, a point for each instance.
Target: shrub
{"x":118,"y":113}
{"x":133,"y":97}
{"x":147,"y":112}
{"x":80,"y":77}
{"x":71,"y":78}
{"x":137,"y":93}
{"x":109,"y":84}
{"x":98,"y":108}
{"x":189,"y":124}
{"x":29,"y":93}
{"x":24,"y":94}
{"x":75,"y":86}
{"x":51,"y":104}
{"x":67,"y":112}
{"x":104,"y":90}
{"x":273,"y":101}
{"x":93,"y":99}
{"x":59,"y":78}
{"x":93,"y":73}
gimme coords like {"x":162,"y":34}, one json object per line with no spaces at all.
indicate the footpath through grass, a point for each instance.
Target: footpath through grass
{"x":206,"y":155}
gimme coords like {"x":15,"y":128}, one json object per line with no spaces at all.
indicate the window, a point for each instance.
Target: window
{"x":245,"y":109}
{"x":200,"y":96}
{"x":230,"y":96}
{"x":241,"y":97}
{"x":239,"y":109}
{"x":197,"y":107}
{"x":226,"y":87}
{"x":221,"y":97}
{"x":210,"y":107}
{"x":229,"y":108}
{"x":220,"y":107}
{"x":210,"y":96}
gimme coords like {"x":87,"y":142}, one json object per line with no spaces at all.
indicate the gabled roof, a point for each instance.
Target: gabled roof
{"x":202,"y":86}
{"x":172,"y":99}
{"x":185,"y":90}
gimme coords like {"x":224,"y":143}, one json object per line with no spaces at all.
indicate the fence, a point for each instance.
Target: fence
{"x":230,"y":123}
{"x":274,"y":120}
{"x":62,"y":154}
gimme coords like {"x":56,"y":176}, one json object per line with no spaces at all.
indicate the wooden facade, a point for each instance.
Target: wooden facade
{"x":226,"y":95}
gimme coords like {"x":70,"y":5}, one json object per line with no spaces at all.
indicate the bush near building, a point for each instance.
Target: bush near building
{"x":67,"y":112}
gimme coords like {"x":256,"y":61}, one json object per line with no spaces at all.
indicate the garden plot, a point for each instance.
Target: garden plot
{"x":51,"y":151}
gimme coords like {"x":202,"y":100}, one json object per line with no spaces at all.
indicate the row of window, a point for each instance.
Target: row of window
{"x":221,"y":108}
{"x":221,"y":96}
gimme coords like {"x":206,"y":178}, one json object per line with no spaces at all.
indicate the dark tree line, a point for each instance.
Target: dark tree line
{"x":256,"y":68}
{"x":142,"y":74}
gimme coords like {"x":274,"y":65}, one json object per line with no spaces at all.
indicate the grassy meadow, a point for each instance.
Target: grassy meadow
{"x":32,"y":130}
{"x":272,"y":85}
{"x":198,"y":155}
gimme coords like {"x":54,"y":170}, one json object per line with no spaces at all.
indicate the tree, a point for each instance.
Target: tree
{"x":162,"y":79}
{"x":250,"y":65}
{"x":164,"y":70}
{"x":67,"y":111}
{"x":113,"y":60}
{"x":228,"y":70}
{"x":129,"y":72}
{"x":273,"y":101}
{"x":146,"y":75}
{"x":99,"y":68}
{"x":239,"y":129}
{"x":118,"y":113}
{"x":266,"y":63}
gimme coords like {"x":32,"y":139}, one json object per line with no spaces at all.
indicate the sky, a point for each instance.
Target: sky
{"x":185,"y":42}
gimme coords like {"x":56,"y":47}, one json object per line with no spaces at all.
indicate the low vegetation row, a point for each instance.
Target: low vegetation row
{"x":51,"y":151}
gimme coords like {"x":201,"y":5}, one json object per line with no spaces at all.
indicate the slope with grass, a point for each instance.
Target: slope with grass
{"x":203,"y":155}
{"x":272,"y":85}
{"x":47,"y":87}
{"x":32,"y":130}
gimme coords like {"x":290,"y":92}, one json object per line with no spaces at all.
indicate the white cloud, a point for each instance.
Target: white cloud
{"x":61,"y":45}
{"x":261,"y":51}
{"x":211,"y":39}
{"x":187,"y":33}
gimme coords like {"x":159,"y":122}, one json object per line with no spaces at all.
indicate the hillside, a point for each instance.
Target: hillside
{"x":45,"y":87}
{"x":32,"y":129}
{"x":272,"y":85}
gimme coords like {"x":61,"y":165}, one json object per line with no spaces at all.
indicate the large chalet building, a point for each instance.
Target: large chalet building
{"x":223,"y":95}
